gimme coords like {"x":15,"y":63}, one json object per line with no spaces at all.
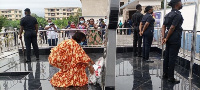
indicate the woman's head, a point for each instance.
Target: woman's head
{"x":82,"y":20}
{"x":91,"y":21}
{"x":149,"y":9}
{"x":176,"y":4}
{"x":79,"y":37}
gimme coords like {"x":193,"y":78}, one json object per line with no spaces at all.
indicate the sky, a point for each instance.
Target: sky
{"x":37,"y":6}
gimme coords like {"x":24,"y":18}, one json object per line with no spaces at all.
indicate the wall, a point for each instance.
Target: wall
{"x":94,"y":7}
{"x":188,"y":15}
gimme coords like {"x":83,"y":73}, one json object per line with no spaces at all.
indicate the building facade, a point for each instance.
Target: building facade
{"x":95,"y":9}
{"x":60,"y":12}
{"x":128,"y":9}
{"x":11,"y":14}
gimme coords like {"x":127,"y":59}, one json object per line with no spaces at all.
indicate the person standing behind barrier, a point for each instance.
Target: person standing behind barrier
{"x":51,"y":35}
{"x":30,"y":25}
{"x":173,"y":23}
{"x":125,"y":25}
{"x":5,"y":35}
{"x":147,"y":30}
{"x":68,"y":27}
{"x":137,"y":42}
{"x":120,"y":26}
{"x":83,"y":25}
{"x":94,"y":37}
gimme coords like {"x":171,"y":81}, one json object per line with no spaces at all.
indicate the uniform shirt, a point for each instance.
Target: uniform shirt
{"x":148,"y":18}
{"x":70,"y":57}
{"x":51,"y":34}
{"x":136,"y":18}
{"x":174,"y":18}
{"x":28,"y":22}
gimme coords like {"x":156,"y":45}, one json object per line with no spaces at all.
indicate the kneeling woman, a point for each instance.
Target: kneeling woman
{"x":70,"y":57}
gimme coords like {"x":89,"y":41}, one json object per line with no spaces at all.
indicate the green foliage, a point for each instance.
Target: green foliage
{"x":41,"y":21}
{"x":61,"y":23}
{"x":2,"y":21}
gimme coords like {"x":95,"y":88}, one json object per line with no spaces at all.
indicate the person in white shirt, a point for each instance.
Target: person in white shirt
{"x":51,"y":35}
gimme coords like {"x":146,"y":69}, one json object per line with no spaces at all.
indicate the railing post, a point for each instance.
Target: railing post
{"x":193,"y":41}
{"x":111,"y":46}
{"x":183,"y":44}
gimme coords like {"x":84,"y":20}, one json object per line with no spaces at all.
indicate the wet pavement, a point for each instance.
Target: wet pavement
{"x":38,"y":78}
{"x":131,"y":74}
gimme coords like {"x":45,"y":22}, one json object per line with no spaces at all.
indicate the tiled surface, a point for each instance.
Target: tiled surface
{"x":131,"y":74}
{"x":38,"y":79}
{"x":134,"y":74}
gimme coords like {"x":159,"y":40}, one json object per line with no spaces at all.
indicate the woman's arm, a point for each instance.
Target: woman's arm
{"x":145,"y":27}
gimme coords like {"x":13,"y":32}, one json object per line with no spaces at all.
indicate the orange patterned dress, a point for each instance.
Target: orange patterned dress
{"x":70,"y":57}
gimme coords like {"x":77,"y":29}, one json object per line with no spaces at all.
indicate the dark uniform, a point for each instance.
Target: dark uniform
{"x":174,"y":42}
{"x":147,"y":35}
{"x":30,"y":36}
{"x":136,"y":19}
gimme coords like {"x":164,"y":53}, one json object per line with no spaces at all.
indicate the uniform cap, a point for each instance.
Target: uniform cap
{"x":27,"y":9}
{"x":172,"y":2}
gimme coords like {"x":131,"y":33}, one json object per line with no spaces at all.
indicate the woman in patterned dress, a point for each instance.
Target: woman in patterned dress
{"x":72,"y":60}
{"x":94,"y":37}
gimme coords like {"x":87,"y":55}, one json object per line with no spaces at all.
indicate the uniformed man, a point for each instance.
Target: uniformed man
{"x":30,"y":25}
{"x":136,"y":19}
{"x":172,"y":38}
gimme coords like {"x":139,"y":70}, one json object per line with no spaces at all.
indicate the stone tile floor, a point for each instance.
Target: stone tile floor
{"x":131,"y":74}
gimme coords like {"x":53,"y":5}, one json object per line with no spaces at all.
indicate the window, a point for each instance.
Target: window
{"x":121,"y":4}
{"x":57,"y":9}
{"x":19,"y":15}
{"x":2,"y":11}
{"x":15,"y":11}
{"x":49,"y":14}
{"x":64,"y":13}
{"x":52,"y":10}
{"x":72,"y":9}
{"x":63,"y":9}
{"x":57,"y":13}
{"x":72,"y":14}
{"x":53,"y":14}
{"x":10,"y":15}
{"x":20,"y":11}
{"x":16,"y":15}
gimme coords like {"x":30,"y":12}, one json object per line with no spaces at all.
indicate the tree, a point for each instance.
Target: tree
{"x":2,"y":21}
{"x":41,"y":21}
{"x":61,"y":23}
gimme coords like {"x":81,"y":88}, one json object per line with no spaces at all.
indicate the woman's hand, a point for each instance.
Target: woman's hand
{"x":91,"y":68}
{"x":92,"y":62}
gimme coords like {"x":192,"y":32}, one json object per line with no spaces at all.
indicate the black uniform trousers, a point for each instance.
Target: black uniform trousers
{"x":171,"y":53}
{"x":147,"y":41}
{"x":137,"y":42}
{"x":31,"y":37}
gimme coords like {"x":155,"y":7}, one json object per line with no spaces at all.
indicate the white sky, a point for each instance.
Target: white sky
{"x":37,"y":6}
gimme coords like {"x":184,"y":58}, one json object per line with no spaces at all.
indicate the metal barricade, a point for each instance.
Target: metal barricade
{"x":94,"y":37}
{"x":8,"y":42}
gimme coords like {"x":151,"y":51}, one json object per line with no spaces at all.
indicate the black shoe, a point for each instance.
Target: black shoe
{"x":139,"y":55}
{"x":173,"y":80}
{"x":149,"y":61}
{"x":164,"y":76}
{"x":27,"y":61}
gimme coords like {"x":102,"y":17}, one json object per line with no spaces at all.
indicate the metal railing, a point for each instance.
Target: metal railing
{"x":94,"y":37}
{"x":8,"y":42}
